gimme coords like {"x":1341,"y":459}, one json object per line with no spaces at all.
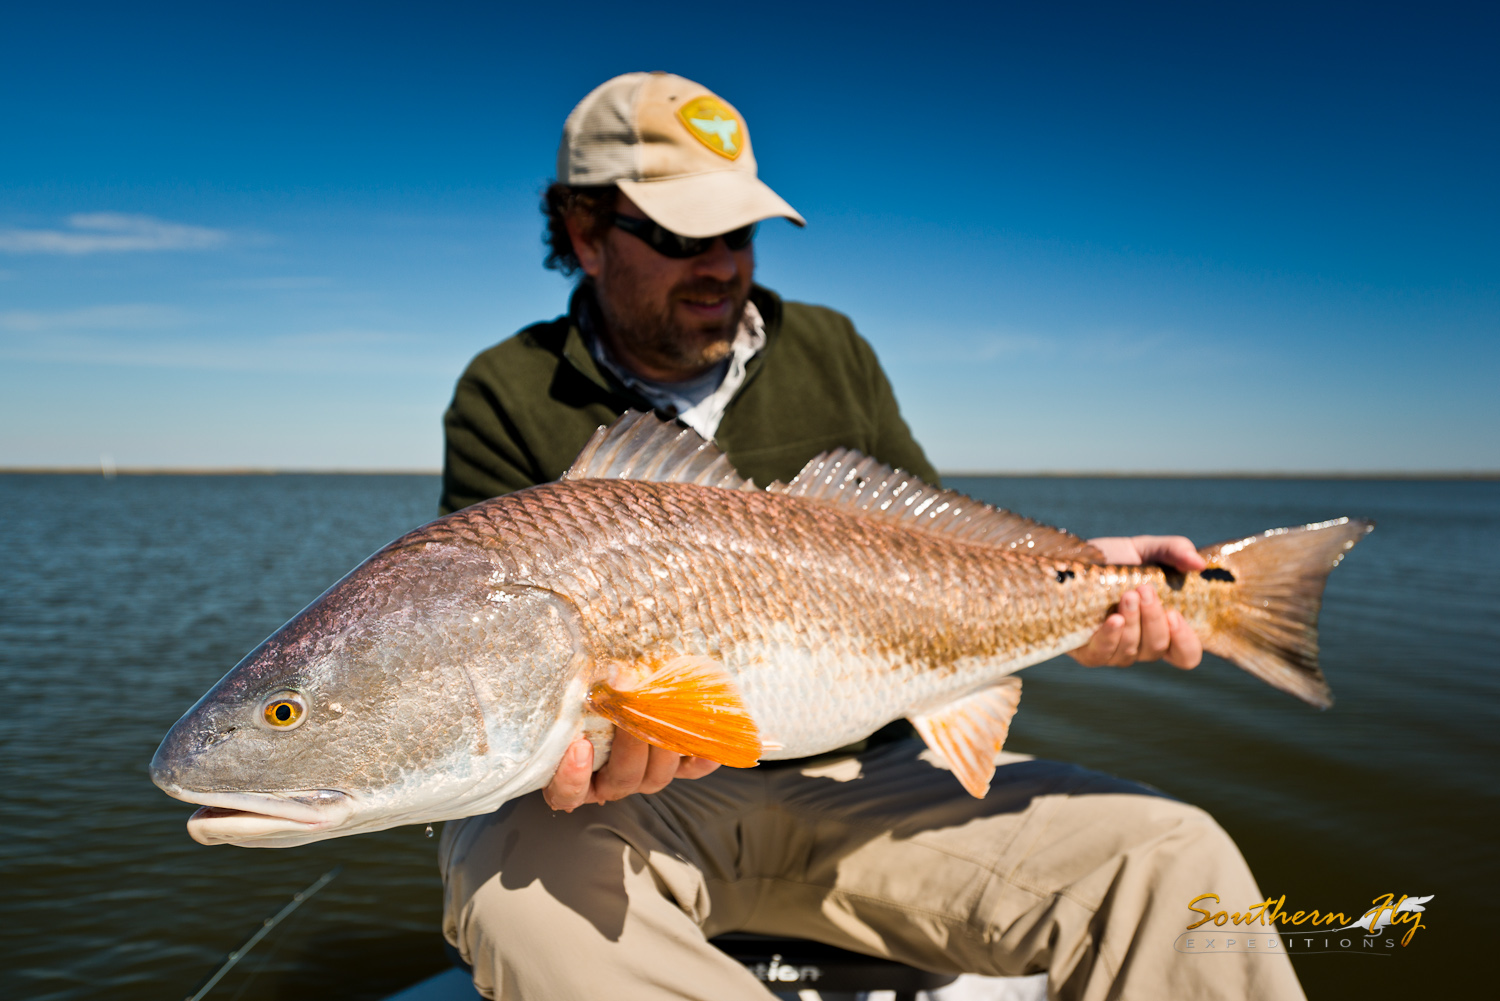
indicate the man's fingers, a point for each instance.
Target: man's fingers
{"x":695,"y":768}
{"x":1118,"y":550}
{"x":634,"y":766}
{"x":1171,"y":550}
{"x":1156,"y":633}
{"x":661,"y":768}
{"x":569,"y":787}
{"x":1142,"y":629}
{"x":1182,"y":554}
{"x":622,"y":774}
{"x":1130,"y":634}
{"x":1103,"y":645}
{"x":1186,"y":651}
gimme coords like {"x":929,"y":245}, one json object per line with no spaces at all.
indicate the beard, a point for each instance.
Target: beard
{"x":648,"y":329}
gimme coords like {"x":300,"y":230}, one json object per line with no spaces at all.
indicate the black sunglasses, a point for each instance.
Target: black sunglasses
{"x":669,"y":244}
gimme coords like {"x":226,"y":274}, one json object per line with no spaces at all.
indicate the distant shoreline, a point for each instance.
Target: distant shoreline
{"x":1439,"y":475}
{"x":205,"y":471}
{"x":1443,"y":475}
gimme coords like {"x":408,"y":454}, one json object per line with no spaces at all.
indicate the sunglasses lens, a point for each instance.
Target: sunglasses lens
{"x":670,"y":244}
{"x":739,"y":239}
{"x":676,"y":246}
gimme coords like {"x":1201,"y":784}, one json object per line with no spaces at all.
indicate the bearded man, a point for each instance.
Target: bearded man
{"x":610,"y":882}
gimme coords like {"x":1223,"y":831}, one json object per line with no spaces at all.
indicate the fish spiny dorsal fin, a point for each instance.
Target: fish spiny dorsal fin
{"x":850,"y":479}
{"x":642,"y":446}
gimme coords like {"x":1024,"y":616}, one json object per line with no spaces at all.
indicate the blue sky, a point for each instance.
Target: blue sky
{"x":1085,"y":237}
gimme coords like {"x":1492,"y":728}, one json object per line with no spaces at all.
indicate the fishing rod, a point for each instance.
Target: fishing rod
{"x":263,"y":931}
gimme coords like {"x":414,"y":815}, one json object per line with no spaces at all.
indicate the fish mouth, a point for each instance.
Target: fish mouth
{"x":264,"y":819}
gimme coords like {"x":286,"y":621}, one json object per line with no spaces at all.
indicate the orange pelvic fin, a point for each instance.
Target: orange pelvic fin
{"x":687,"y":704}
{"x":967,"y":734}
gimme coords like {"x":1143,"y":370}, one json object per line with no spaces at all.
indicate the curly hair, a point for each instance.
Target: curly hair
{"x":593,"y":206}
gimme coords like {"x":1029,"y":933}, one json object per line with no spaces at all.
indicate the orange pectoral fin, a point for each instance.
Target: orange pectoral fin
{"x":967,"y":734}
{"x":690,"y":705}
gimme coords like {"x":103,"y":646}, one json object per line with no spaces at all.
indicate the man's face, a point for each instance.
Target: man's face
{"x":666,"y":318}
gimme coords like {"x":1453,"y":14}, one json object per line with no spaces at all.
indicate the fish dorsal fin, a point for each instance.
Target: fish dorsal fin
{"x":853,"y":480}
{"x":967,"y":734}
{"x":642,"y":446}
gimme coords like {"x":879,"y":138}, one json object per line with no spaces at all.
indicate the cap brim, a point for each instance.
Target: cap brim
{"x":701,"y":205}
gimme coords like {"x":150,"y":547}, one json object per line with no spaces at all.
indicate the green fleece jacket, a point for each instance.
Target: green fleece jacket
{"x":524,"y":408}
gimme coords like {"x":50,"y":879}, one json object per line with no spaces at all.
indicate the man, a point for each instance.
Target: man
{"x":874,"y":849}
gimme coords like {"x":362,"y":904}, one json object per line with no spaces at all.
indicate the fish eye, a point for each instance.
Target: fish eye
{"x":284,"y":710}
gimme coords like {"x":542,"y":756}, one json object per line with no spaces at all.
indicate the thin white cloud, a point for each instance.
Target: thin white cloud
{"x":123,"y":316}
{"x":994,"y":347}
{"x":998,"y":347}
{"x":110,"y":232}
{"x":160,"y":336}
{"x":976,"y":348}
{"x":342,"y":337}
{"x":274,"y":284}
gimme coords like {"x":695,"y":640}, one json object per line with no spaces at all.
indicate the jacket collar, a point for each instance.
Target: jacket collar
{"x":575,"y":348}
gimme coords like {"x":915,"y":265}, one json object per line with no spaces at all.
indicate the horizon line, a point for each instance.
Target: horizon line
{"x":1155,"y":474}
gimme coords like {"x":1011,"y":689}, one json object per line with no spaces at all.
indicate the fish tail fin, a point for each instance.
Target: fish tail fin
{"x":1269,"y":626}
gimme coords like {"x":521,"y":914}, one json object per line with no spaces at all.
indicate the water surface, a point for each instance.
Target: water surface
{"x":122,"y":600}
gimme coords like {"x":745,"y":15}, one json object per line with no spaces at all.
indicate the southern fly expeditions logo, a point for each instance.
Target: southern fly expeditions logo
{"x":1268,"y":927}
{"x":714,"y":125}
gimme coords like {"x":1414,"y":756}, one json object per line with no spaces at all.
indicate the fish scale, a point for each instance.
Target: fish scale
{"x":959,"y":611}
{"x":654,"y":590}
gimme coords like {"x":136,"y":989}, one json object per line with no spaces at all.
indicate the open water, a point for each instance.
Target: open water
{"x":122,"y":600}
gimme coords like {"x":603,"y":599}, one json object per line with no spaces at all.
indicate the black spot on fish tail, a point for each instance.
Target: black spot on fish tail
{"x":1065,"y":575}
{"x":1217,"y":573}
{"x":1174,"y":578}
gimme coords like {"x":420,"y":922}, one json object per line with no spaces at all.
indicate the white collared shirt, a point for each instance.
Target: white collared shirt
{"x":699,"y":402}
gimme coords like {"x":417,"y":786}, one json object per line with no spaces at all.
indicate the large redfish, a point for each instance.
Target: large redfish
{"x":655,"y":589}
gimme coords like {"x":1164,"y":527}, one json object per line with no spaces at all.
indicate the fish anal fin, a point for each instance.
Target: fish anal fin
{"x":860,"y":484}
{"x":686,"y":704}
{"x":967,"y":733}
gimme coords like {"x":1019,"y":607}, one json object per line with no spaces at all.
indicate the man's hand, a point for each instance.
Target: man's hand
{"x":634,"y":766}
{"x":1142,"y":629}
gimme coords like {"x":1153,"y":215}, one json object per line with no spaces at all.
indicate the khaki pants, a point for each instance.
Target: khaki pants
{"x":1059,"y":869}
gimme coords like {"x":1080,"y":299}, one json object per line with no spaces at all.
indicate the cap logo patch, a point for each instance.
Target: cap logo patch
{"x":714,"y":125}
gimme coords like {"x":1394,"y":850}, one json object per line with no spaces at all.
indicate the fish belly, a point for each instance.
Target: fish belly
{"x":804,"y":703}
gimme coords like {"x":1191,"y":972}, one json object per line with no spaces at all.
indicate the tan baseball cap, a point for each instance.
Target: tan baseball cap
{"x":678,"y":150}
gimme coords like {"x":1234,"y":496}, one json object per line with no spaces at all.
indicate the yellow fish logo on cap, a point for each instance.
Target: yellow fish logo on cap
{"x":714,"y":125}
